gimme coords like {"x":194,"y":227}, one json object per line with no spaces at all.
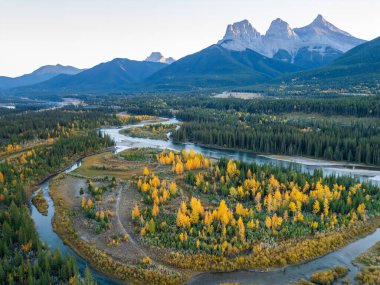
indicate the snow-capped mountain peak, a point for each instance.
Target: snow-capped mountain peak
{"x":241,"y":29}
{"x":320,"y":20}
{"x":280,"y":28}
{"x":240,"y":36}
{"x":311,"y":45}
{"x":158,"y":57}
{"x":321,"y":25}
{"x":280,"y":36}
{"x":323,"y":33}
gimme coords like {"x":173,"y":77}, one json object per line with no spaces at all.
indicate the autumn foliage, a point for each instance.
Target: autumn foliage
{"x":238,"y":207}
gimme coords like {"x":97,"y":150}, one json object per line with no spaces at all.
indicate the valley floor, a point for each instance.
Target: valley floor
{"x":119,"y":242}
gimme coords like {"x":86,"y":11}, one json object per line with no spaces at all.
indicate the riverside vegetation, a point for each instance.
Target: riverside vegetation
{"x":154,"y":131}
{"x":40,"y":202}
{"x":369,"y":263}
{"x":326,"y":277}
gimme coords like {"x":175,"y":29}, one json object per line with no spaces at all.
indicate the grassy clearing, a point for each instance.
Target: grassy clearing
{"x":111,"y":165}
{"x":105,"y":164}
{"x":140,"y":154}
{"x":156,"y":131}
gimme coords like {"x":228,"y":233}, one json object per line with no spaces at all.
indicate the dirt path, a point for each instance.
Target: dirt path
{"x":127,"y":199}
{"x":134,"y":246}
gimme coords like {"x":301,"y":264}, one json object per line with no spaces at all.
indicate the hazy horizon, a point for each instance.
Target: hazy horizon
{"x":83,"y":33}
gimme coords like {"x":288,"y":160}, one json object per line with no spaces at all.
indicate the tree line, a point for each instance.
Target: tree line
{"x":321,"y":138}
{"x":17,"y":128}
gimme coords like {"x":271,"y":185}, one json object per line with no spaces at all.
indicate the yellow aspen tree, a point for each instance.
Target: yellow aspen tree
{"x":173,"y":188}
{"x":251,"y":224}
{"x":101,"y":215}
{"x":292,"y":207}
{"x":361,"y":210}
{"x":316,"y":207}
{"x":268,"y":222}
{"x":326,"y":207}
{"x":241,"y":229}
{"x":135,"y":212}
{"x":155,"y":210}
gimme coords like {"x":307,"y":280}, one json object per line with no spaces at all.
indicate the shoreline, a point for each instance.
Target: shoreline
{"x":358,"y":168}
{"x":354,"y":234}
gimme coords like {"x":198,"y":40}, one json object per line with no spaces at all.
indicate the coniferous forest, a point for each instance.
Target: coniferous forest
{"x":24,"y":258}
{"x":341,"y":140}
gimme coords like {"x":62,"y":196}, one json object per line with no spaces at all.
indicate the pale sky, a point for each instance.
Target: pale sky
{"x":84,"y":33}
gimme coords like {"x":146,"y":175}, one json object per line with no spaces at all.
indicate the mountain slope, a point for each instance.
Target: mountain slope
{"x":360,"y":65}
{"x":41,"y":74}
{"x":216,"y":66}
{"x":313,"y":45}
{"x":116,"y":74}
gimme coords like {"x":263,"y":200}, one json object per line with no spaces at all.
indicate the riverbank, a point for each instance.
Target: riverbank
{"x":277,"y":257}
{"x":31,"y":188}
{"x":310,"y":161}
{"x":371,"y":172}
{"x":369,"y":264}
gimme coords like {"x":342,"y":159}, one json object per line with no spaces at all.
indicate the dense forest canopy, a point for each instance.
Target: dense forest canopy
{"x":348,"y":140}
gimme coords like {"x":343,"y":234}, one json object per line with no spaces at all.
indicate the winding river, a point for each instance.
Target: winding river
{"x":285,"y":275}
{"x":48,"y":236}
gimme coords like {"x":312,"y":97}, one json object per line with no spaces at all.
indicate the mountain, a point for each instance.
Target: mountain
{"x":116,"y":74}
{"x":313,"y":45}
{"x":158,"y":57}
{"x":240,"y":36}
{"x":358,"y":66}
{"x":216,"y":66}
{"x":41,"y":74}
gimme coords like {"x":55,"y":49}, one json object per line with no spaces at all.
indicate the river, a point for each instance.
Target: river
{"x":47,"y":235}
{"x":285,"y":275}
